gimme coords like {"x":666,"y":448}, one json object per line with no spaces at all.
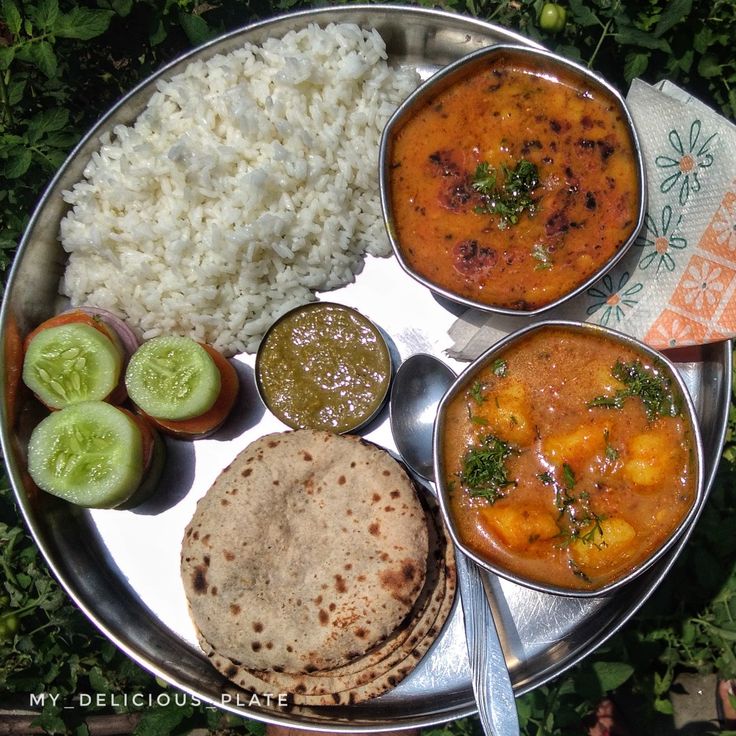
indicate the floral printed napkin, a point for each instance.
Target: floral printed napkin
{"x":677,"y":285}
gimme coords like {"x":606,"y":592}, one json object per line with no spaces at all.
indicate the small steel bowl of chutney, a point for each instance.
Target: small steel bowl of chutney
{"x":511,"y":180}
{"x":324,"y":366}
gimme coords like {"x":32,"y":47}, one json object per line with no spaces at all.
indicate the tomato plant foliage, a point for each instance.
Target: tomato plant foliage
{"x":64,"y":62}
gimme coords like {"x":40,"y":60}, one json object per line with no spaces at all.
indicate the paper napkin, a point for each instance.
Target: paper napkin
{"x":677,"y":285}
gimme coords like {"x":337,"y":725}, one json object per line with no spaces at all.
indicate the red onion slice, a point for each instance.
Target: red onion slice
{"x":126,"y":340}
{"x":127,"y":337}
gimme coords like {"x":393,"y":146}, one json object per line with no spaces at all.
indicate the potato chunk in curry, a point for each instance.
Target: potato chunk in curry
{"x":508,"y":416}
{"x":578,"y":445}
{"x":651,"y":458}
{"x":519,"y":528}
{"x":604,"y":545}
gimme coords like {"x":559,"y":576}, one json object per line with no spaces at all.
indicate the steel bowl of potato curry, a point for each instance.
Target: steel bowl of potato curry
{"x":511,"y":180}
{"x":568,"y":458}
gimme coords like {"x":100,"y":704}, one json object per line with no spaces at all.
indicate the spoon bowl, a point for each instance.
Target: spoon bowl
{"x":418,"y":387}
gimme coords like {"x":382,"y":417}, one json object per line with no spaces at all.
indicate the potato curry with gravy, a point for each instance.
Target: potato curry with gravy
{"x":569,"y":459}
{"x":515,"y":185}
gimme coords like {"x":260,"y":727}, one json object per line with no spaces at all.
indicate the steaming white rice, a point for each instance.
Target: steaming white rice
{"x":249,"y":182}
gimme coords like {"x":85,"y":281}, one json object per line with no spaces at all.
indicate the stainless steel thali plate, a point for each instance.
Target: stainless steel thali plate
{"x":122,"y":567}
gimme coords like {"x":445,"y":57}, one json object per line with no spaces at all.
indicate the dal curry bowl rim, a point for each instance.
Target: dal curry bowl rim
{"x":688,"y":412}
{"x":445,"y":78}
{"x":383,"y":342}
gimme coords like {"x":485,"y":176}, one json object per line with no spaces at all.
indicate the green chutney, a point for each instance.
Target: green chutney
{"x":323,"y":366}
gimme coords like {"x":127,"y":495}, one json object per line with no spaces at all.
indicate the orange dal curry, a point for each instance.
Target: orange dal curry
{"x":584,"y":206}
{"x":558,"y":471}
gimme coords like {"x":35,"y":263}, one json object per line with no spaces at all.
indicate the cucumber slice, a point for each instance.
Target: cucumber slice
{"x":90,"y":454}
{"x":71,"y":363}
{"x":172,"y":377}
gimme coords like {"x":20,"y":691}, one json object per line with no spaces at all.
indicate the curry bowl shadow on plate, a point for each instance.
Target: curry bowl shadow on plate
{"x":568,"y":458}
{"x":511,"y":180}
{"x":324,"y":366}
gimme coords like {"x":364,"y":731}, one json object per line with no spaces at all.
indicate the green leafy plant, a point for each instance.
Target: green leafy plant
{"x":682,"y":41}
{"x":36,"y":125}
{"x":686,"y":42}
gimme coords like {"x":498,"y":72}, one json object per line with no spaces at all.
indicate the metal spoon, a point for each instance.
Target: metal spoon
{"x":418,"y":387}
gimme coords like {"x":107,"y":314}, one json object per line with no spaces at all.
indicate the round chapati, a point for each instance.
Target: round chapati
{"x":378,"y":670}
{"x":335,"y":688}
{"x":309,"y":550}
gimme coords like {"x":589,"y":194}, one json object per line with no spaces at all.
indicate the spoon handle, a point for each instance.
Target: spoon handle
{"x":494,"y":693}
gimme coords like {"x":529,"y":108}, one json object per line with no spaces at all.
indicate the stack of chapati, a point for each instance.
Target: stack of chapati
{"x":312,"y":567}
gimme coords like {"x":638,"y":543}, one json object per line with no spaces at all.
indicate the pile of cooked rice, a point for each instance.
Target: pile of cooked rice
{"x":248,"y":182}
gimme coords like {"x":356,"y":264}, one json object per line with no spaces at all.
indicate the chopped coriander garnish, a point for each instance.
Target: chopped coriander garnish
{"x":484,"y":472}
{"x":576,"y":518}
{"x":568,"y":476}
{"x":484,"y":180}
{"x":583,"y":525}
{"x":652,"y":387}
{"x":612,"y":453}
{"x":476,"y":392}
{"x":595,"y":530}
{"x":577,"y":572}
{"x":512,"y":197}
{"x":499,"y":367}
{"x":541,"y":253}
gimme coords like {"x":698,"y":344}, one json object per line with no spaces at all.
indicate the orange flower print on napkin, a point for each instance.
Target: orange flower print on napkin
{"x":671,"y":330}
{"x":727,"y":321}
{"x":702,"y":287}
{"x":719,"y":237}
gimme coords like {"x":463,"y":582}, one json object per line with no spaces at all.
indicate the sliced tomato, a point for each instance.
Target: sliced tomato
{"x":205,"y":424}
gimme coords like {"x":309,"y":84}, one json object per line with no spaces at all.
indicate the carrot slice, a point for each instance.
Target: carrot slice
{"x":13,"y":368}
{"x":213,"y":418}
{"x":67,"y":318}
{"x":147,"y":436}
{"x":154,"y":458}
